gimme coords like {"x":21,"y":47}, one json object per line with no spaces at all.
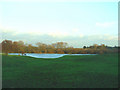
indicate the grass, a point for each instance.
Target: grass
{"x":99,"y":71}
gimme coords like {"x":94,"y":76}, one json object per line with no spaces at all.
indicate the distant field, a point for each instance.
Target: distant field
{"x":99,"y":71}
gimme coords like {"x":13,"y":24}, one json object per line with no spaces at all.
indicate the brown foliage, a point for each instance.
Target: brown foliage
{"x":60,"y":47}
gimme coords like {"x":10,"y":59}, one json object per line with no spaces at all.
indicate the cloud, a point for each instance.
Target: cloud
{"x":76,"y":41}
{"x":72,"y":39}
{"x":105,"y":24}
{"x":58,"y":34}
{"x":81,"y":35}
{"x":110,"y":37}
{"x":75,"y":30}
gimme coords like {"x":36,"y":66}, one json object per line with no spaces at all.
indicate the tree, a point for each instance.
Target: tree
{"x":60,"y":45}
{"x":50,"y":49}
{"x":6,"y":46}
{"x":21,"y":47}
{"x":0,"y":47}
{"x":15,"y":47}
{"x":95,"y":46}
{"x":84,"y":47}
{"x":103,"y":48}
{"x":30,"y":48}
{"x":42,"y":47}
{"x":60,"y":51}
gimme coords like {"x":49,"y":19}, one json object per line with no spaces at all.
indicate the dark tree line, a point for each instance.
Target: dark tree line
{"x":9,"y":46}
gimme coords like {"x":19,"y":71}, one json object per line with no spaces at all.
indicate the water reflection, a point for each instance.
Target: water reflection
{"x":45,"y":55}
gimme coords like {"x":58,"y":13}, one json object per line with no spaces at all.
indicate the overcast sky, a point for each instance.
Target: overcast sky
{"x":76,"y":22}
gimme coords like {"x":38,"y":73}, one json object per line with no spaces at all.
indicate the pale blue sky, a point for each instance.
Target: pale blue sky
{"x":73,"y":22}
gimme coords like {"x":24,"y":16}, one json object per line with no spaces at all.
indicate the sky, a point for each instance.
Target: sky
{"x":76,"y":22}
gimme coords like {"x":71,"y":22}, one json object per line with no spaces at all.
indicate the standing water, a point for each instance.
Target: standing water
{"x":46,"y":55}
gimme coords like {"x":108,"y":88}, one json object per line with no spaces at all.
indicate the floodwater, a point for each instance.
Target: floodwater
{"x":36,"y":55}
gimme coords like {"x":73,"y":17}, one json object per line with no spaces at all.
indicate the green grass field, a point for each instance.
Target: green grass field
{"x":99,"y":71}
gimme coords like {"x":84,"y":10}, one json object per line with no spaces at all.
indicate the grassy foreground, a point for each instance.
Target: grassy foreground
{"x":100,"y":71}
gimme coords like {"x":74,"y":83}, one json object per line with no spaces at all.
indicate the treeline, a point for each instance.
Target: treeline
{"x":9,"y":46}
